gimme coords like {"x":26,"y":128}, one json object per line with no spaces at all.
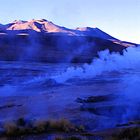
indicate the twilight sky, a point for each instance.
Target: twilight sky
{"x":119,"y":18}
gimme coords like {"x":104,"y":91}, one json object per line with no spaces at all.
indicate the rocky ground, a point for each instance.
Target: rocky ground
{"x":65,"y":117}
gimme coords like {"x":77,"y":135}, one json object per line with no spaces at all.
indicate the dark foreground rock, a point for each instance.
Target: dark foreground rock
{"x":110,"y":106}
{"x":94,"y":99}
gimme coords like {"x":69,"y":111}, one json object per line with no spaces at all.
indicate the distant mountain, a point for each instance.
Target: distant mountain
{"x":49,"y":27}
{"x":38,"y":26}
{"x":2,"y":27}
{"x":42,"y":40}
{"x":96,"y":32}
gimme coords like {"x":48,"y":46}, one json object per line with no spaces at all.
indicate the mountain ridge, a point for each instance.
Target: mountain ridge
{"x":45,"y":26}
{"x":44,"y":41}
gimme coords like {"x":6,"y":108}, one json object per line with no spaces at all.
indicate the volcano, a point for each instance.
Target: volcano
{"x":42,"y":40}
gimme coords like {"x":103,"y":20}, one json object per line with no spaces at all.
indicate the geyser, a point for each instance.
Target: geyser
{"x":105,"y":63}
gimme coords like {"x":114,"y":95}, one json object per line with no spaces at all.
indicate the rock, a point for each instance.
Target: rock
{"x":2,"y":131}
{"x":94,"y":99}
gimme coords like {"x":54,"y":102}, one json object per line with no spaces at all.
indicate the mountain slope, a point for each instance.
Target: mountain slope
{"x":95,"y":32}
{"x":42,"y":40}
{"x":38,"y":26}
{"x":49,"y":27}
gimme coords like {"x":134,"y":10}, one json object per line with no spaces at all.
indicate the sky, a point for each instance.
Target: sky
{"x":119,"y":18}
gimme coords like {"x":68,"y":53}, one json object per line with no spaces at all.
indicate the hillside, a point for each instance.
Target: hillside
{"x":42,"y":40}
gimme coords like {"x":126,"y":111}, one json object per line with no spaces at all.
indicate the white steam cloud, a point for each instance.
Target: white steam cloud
{"x":105,"y":63}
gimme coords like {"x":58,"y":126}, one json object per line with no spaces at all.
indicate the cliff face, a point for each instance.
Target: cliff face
{"x":41,"y":40}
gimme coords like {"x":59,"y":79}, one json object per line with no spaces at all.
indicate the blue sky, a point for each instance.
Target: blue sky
{"x":120,"y":18}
